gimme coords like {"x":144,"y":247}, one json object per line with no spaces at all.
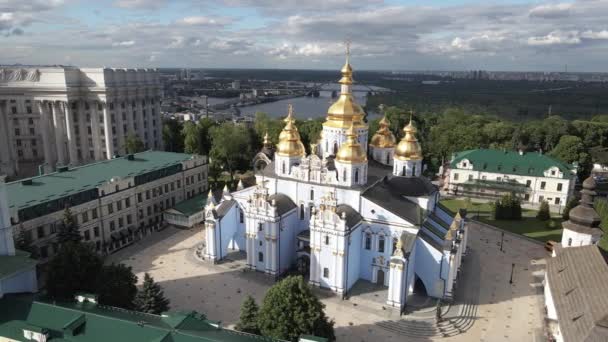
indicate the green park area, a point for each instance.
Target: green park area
{"x":528,"y":226}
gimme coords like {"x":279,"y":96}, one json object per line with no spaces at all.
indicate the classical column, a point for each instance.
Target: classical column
{"x":5,"y":143}
{"x":95,"y":130}
{"x":84,"y":133}
{"x":69,"y":124}
{"x":107,"y":122}
{"x":119,"y":128}
{"x":59,"y":135}
{"x":44,"y":125}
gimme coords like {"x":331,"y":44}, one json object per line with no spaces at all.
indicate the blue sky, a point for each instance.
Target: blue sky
{"x":385,"y":34}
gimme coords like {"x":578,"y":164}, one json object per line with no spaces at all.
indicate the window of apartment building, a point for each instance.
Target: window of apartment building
{"x":464,"y":164}
{"x":34,"y":152}
{"x":129,"y":219}
{"x":484,"y":177}
{"x":166,"y":187}
{"x":119,"y":205}
{"x":543,"y":185}
{"x":94,"y":213}
{"x":18,"y":142}
{"x":44,"y":252}
{"x":87,"y":235}
{"x":91,"y":154}
{"x":33,"y":142}
{"x":498,"y":179}
{"x":559,"y":187}
{"x":187,"y":180}
{"x":557,"y":200}
{"x":381,"y":244}
{"x":455,"y":176}
{"x":32,"y":131}
{"x":17,"y":131}
{"x":40,"y":232}
{"x":97,"y":245}
{"x":173,"y":201}
{"x":541,"y":198}
{"x":96,"y":231}
{"x":147,"y":194}
{"x":127,"y":202}
{"x":167,"y":202}
{"x":179,"y":183}
{"x":139,"y":197}
{"x":14,"y":110}
{"x":121,"y":222}
{"x":470,"y":177}
{"x":160,"y":190}
{"x":85,"y":217}
{"x":110,"y":208}
{"x":526,"y":197}
{"x":552,"y":172}
{"x":149,"y":209}
{"x":112,"y":226}
{"x":528,"y":183}
{"x":172,"y":186}
{"x":29,"y":111}
{"x":53,"y":228}
{"x":90,"y":132}
{"x":30,"y":121}
{"x":111,"y":105}
{"x":325,"y":272}
{"x":368,"y":241}
{"x":192,"y":179}
{"x":20,"y":153}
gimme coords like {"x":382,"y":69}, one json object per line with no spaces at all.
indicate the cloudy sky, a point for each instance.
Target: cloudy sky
{"x":385,"y":34}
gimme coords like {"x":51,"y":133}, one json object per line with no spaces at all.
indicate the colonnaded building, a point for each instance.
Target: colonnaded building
{"x":53,"y":116}
{"x":114,"y":202}
{"x":340,"y":216}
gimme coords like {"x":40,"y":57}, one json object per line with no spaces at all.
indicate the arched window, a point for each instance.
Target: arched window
{"x":312,"y":194}
{"x":283,"y":167}
{"x":381,"y":244}
{"x":301,"y":211}
{"x":326,"y":240}
{"x":356,"y":175}
{"x":569,"y":242}
{"x":344,"y":175}
{"x":414,"y":170}
{"x":403,"y":173}
{"x":388,"y":158}
{"x":335,"y":148}
{"x":241,"y":216}
{"x":368,"y":241}
{"x":260,"y":257}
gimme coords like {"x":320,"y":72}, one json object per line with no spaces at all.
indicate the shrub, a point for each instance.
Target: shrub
{"x":543,"y":211}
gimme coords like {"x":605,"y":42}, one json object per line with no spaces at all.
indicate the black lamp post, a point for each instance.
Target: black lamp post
{"x":502,"y":238}
{"x":512,"y":269}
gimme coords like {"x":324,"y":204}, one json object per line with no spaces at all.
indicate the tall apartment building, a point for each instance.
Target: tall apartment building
{"x":114,"y":202}
{"x":54,"y":116}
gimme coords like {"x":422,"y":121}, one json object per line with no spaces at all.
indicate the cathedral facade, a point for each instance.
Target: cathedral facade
{"x":350,"y":210}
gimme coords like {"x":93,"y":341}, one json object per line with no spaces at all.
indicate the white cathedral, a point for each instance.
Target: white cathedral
{"x":346,"y":212}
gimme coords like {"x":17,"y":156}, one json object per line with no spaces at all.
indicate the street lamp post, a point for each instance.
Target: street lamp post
{"x":502,"y":238}
{"x":512,"y":269}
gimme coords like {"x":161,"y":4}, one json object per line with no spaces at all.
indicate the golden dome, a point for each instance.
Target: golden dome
{"x":345,"y":110}
{"x":290,"y":144}
{"x":289,"y":118}
{"x":351,"y":151}
{"x":409,"y":148}
{"x":383,"y":138}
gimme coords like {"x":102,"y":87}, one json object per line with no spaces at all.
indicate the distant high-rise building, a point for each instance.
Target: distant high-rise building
{"x":66,"y":115}
{"x":236,"y":84}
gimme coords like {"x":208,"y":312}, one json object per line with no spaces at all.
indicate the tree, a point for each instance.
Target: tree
{"x":248,"y":321}
{"x":232,"y":147}
{"x":601,"y":207}
{"x":264,"y":123}
{"x":23,"y":241}
{"x":571,"y":149}
{"x":172,"y":135}
{"x":150,"y":298}
{"x":133,"y":144}
{"x":543,"y":211}
{"x":73,"y":269}
{"x":204,"y":135}
{"x":190,"y":133}
{"x":310,"y":131}
{"x":68,"y":231}
{"x":116,"y":286}
{"x":572,"y":202}
{"x":507,"y":208}
{"x":290,"y":309}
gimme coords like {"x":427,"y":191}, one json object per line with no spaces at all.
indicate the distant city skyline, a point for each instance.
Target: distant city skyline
{"x":386,"y":35}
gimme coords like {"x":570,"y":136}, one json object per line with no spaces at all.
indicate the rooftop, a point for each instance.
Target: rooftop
{"x":57,"y":185}
{"x":193,"y":205}
{"x":11,"y":264}
{"x":511,"y":162}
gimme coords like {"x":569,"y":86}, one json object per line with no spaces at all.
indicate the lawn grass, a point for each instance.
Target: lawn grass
{"x":528,"y":226}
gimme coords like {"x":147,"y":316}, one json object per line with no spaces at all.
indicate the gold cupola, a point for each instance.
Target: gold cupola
{"x":409,"y":147}
{"x":351,"y":152}
{"x":345,"y":110}
{"x":290,"y":144}
{"x":288,"y":118}
{"x":383,"y":138}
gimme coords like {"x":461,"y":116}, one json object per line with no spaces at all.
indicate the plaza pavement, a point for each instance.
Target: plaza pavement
{"x":505,"y":312}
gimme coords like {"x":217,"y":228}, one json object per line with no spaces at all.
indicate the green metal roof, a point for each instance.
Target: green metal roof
{"x":511,"y":162}
{"x":89,"y":322}
{"x":191,"y":206}
{"x":57,"y":185}
{"x":15,"y":263}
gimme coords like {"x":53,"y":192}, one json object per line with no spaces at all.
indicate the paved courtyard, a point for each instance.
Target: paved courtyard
{"x":497,"y":310}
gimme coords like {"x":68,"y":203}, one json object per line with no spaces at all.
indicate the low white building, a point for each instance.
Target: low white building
{"x":532,"y":176}
{"x":115,"y":202}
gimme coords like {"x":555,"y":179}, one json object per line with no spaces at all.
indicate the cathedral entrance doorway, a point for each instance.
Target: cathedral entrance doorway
{"x":304,"y":266}
{"x":380,"y":277}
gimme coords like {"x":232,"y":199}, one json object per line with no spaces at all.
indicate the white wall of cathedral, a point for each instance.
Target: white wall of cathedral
{"x":428,"y":268}
{"x":334,"y":137}
{"x":571,"y":238}
{"x":351,"y":174}
{"x":283,"y":165}
{"x":382,"y":155}
{"x":407,"y":168}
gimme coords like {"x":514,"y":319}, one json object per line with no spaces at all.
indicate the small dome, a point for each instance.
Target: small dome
{"x":290,"y":144}
{"x":409,"y":148}
{"x":383,"y":138}
{"x":351,"y":151}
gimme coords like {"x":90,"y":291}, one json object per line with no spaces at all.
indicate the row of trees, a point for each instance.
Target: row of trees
{"x":507,"y":208}
{"x":288,"y":310}
{"x":76,"y":267}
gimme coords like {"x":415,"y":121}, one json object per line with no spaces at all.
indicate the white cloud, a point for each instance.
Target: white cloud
{"x":139,"y":4}
{"x":197,"y":20}
{"x":595,"y":34}
{"x":124,"y":43}
{"x":551,"y":10}
{"x":556,"y":38}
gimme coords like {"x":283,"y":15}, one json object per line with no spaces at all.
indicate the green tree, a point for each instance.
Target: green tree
{"x":232,"y":148}
{"x":172,"y":135}
{"x":73,"y":269}
{"x":133,"y":144}
{"x":190,"y":133}
{"x":116,"y":286}
{"x":543,"y":211}
{"x":248,"y":321}
{"x":290,"y":309}
{"x":204,"y":135}
{"x":310,"y":131}
{"x":601,"y":207}
{"x":571,"y":149}
{"x":264,"y":123}
{"x":23,"y":241}
{"x":150,"y":298}
{"x":572,"y":202}
{"x":68,"y":231}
